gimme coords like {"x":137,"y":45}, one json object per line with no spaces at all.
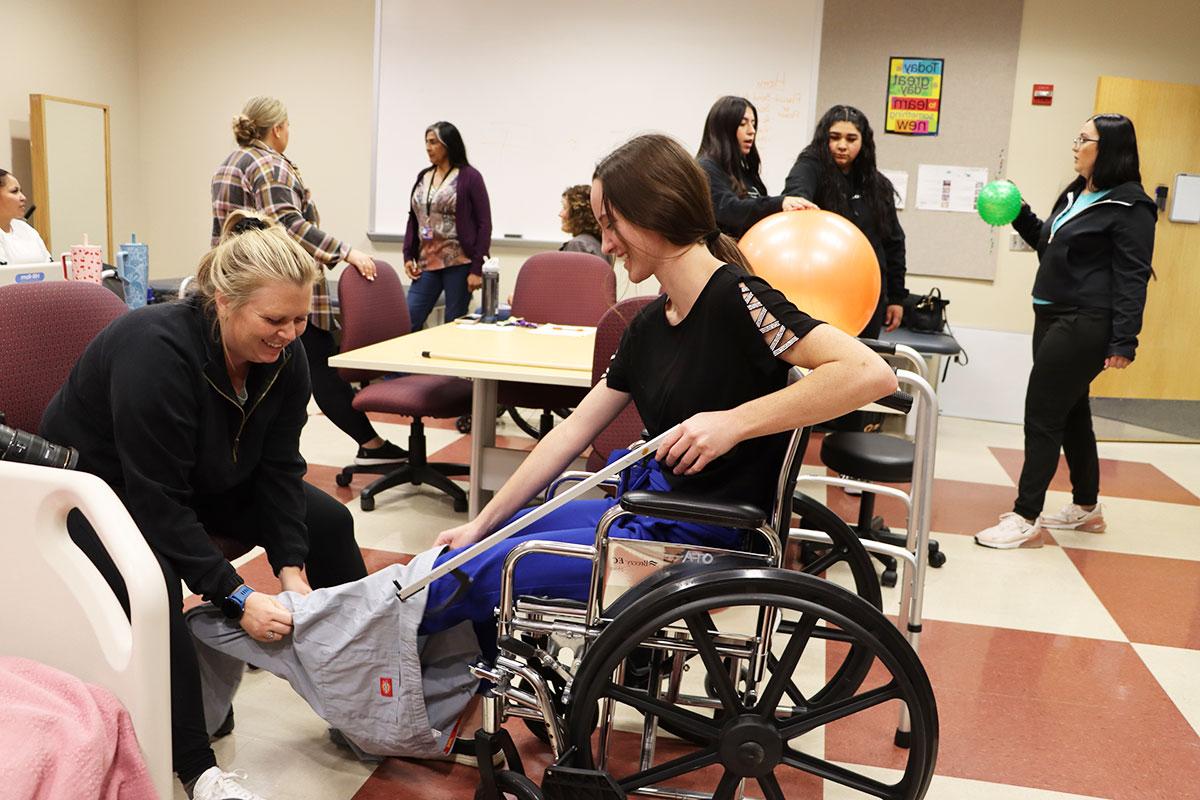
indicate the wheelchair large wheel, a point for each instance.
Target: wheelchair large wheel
{"x":847,"y":549}
{"x":756,"y":735}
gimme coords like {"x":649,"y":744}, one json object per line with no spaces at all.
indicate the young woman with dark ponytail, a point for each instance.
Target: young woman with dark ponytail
{"x":710,"y":354}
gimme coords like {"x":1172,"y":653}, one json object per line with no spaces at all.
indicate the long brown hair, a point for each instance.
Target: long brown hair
{"x":655,"y":184}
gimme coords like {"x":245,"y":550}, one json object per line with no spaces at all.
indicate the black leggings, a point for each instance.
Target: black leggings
{"x":1069,"y":348}
{"x":333,"y":395}
{"x":333,"y":558}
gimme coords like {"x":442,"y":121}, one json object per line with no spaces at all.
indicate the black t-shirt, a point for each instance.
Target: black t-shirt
{"x":725,"y":352}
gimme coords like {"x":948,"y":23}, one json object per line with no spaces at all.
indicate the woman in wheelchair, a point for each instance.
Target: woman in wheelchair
{"x":711,"y":354}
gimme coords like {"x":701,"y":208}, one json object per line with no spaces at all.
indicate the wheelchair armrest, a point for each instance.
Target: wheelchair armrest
{"x":879,"y":346}
{"x":686,"y":508}
{"x":573,"y":476}
{"x":897,"y":400}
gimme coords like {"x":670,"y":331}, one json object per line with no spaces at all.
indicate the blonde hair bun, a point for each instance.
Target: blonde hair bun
{"x":259,"y":115}
{"x":244,"y":130}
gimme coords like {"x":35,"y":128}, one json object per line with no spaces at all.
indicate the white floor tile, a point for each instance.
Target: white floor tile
{"x":1139,"y":527}
{"x":1176,"y":669}
{"x":1031,"y":590}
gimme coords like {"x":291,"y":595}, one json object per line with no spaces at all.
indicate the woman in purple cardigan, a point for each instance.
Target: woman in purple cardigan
{"x":449,"y":228}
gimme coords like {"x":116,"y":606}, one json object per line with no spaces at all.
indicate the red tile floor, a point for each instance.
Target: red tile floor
{"x":1070,"y":671}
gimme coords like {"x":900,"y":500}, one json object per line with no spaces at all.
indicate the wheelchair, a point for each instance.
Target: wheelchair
{"x":693,"y":672}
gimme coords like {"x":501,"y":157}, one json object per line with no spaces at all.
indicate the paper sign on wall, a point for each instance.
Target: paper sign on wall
{"x":949,"y":188}
{"x":899,"y":179}
{"x":914,"y":96}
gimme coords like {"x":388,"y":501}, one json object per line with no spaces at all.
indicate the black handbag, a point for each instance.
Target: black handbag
{"x":925,"y":313}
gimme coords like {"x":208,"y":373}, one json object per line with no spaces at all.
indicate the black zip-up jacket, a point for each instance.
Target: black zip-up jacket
{"x":738,"y":214}
{"x":890,"y":250}
{"x":1099,"y":258}
{"x":150,"y":407}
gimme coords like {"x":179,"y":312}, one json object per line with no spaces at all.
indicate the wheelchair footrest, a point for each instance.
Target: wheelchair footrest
{"x":572,"y":783}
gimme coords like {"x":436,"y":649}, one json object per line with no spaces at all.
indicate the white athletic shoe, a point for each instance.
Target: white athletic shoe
{"x":1011,"y":532}
{"x":1076,"y":518}
{"x":213,"y":784}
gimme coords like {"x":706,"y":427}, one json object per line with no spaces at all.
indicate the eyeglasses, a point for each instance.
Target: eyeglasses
{"x":1080,"y":141}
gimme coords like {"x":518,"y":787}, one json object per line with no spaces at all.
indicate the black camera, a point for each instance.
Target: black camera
{"x":29,"y":448}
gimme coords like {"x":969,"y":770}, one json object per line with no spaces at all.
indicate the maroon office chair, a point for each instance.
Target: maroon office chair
{"x":562,"y":288}
{"x":628,"y":426}
{"x":374,"y":311}
{"x":44,"y":328}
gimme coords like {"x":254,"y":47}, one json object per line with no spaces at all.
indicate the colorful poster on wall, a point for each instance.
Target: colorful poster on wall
{"x":914,"y":96}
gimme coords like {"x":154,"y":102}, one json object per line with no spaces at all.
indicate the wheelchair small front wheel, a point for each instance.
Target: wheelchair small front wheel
{"x":512,"y":785}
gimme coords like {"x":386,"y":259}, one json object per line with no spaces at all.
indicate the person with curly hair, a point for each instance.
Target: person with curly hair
{"x":579,"y":221}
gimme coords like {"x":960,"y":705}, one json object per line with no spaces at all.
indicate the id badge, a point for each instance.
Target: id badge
{"x":426,"y":232}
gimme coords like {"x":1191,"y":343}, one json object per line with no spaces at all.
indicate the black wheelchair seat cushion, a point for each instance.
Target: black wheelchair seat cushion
{"x":869,"y":456}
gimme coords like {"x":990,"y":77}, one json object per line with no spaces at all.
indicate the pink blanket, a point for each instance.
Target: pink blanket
{"x":63,"y":738}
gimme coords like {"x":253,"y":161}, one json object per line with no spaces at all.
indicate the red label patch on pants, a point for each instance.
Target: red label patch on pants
{"x":385,"y":687}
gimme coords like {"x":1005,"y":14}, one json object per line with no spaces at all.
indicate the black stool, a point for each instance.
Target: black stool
{"x":877,"y":458}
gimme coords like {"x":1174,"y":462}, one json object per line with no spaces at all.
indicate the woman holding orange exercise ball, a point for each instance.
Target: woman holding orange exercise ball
{"x":729,"y":156}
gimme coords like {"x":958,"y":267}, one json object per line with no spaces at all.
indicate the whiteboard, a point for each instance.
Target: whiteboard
{"x":542,"y":89}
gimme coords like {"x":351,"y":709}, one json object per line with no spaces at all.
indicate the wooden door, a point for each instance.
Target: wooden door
{"x":1167,"y":119}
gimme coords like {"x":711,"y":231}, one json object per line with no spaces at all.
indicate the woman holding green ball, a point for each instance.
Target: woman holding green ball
{"x":1088,"y":297}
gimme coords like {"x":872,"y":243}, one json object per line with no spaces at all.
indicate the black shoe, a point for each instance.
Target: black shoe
{"x":386,"y":453}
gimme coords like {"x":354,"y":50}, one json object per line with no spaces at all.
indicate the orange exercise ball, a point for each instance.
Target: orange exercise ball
{"x":820,"y":261}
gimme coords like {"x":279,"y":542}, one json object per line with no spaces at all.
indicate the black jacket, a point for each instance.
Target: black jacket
{"x":738,"y":214}
{"x":150,"y":407}
{"x":886,"y":239}
{"x":1097,"y":259}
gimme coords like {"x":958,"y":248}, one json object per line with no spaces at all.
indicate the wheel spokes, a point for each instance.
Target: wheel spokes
{"x":802,"y":723}
{"x":727,"y":787}
{"x":770,"y":787}
{"x":689,"y":721}
{"x":846,"y":777}
{"x":701,"y":627}
{"x":790,"y":689}
{"x":781,"y":674}
{"x":830,"y":557}
{"x":688,"y":762}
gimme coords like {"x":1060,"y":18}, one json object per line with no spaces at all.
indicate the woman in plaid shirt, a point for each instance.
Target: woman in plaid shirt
{"x":257,"y":176}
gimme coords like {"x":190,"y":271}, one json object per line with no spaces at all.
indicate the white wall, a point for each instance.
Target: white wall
{"x":1069,"y":43}
{"x":199,"y":63}
{"x":175,"y":72}
{"x":82,"y":51}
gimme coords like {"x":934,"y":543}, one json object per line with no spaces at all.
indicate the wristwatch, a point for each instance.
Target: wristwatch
{"x":235,"y":605}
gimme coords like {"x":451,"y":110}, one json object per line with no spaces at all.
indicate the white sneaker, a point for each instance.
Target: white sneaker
{"x":1076,"y":518}
{"x":213,"y":784}
{"x":1011,"y":532}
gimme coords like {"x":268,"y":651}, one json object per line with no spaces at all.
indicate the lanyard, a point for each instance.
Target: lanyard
{"x":434,"y":190}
